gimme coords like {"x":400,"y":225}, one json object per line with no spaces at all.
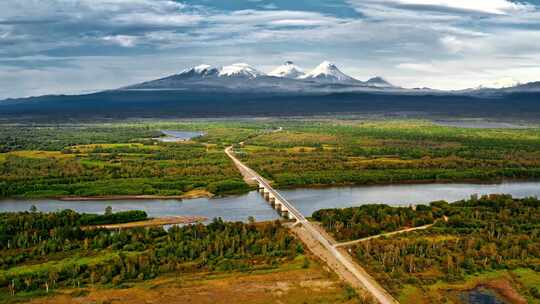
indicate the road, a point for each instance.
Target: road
{"x":320,"y":245}
{"x":345,"y":244}
{"x":250,"y":174}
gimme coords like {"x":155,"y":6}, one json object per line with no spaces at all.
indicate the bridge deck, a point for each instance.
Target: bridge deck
{"x":296,"y":214}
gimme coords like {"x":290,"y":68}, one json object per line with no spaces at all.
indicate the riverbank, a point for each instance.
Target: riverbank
{"x":493,"y":181}
{"x":188,"y":195}
{"x":195,"y":194}
{"x":252,"y":204}
{"x":201,"y":193}
{"x":155,"y":222}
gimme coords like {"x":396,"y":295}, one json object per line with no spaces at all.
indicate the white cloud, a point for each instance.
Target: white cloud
{"x":485,"y":6}
{"x":299,"y":22}
{"x":418,"y":67}
{"x":453,"y":44}
{"x":445,"y":44}
{"x":122,"y":40}
{"x":497,"y":7}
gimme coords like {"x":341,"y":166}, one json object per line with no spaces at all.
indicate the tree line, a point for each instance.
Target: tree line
{"x":78,"y":257}
{"x":367,"y":220}
{"x":495,"y":232}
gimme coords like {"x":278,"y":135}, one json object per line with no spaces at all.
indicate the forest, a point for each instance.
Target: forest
{"x":123,"y":158}
{"x":358,"y":222}
{"x":116,"y":159}
{"x":45,"y":251}
{"x":492,"y":234}
{"x":340,"y":152}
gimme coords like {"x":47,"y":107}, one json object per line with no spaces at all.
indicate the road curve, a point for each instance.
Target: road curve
{"x":357,"y":272}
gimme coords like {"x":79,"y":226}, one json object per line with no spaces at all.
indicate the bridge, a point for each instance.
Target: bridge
{"x":274,"y":198}
{"x":278,"y":202}
{"x":316,"y":241}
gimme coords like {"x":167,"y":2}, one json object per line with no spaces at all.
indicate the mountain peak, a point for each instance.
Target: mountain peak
{"x":202,"y":67}
{"x":327,"y":65}
{"x":242,"y":76}
{"x":239,"y":70}
{"x":379,"y":82}
{"x":287,"y":70}
{"x":328,"y":72}
{"x":200,"y":70}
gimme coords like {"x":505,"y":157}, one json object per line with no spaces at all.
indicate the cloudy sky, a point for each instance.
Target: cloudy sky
{"x":74,"y":46}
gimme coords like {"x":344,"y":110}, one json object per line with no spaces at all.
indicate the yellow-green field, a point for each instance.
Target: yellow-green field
{"x":292,"y":282}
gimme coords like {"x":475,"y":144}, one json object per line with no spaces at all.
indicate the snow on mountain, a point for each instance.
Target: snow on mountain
{"x":328,"y":72}
{"x":239,"y":70}
{"x":200,"y":70}
{"x":287,"y":70}
{"x":244,"y":77}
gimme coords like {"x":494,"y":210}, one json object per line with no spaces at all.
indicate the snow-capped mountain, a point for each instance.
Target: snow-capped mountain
{"x":287,"y":70}
{"x":329,"y":73}
{"x":243,"y":70}
{"x":288,"y":77}
{"x":203,"y":70}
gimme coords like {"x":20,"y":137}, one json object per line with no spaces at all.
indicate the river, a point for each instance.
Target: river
{"x":176,"y":136}
{"x":239,"y":208}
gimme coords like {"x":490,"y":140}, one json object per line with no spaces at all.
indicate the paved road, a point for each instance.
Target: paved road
{"x":323,"y":247}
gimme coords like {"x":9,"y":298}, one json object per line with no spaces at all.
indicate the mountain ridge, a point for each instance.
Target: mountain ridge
{"x":288,"y":77}
{"x":241,"y":78}
{"x":326,"y":77}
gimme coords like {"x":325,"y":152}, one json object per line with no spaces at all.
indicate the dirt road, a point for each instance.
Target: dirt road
{"x":345,"y":244}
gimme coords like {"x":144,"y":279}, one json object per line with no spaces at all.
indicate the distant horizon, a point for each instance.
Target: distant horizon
{"x":267,"y":72}
{"x":83,"y":46}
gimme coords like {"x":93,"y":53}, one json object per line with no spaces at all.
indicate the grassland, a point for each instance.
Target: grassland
{"x":291,"y":282}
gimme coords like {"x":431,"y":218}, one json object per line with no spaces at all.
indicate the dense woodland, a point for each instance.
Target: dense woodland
{"x":116,"y":159}
{"x":122,"y":158}
{"x":43,"y":251}
{"x":495,"y":232}
{"x":367,"y":220}
{"x":392,"y":151}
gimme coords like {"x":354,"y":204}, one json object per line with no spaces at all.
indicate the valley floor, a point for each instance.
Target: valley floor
{"x":123,"y":159}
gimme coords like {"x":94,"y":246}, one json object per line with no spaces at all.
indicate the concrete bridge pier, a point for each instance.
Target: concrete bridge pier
{"x":273,"y":201}
{"x":278,"y":207}
{"x":290,"y":216}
